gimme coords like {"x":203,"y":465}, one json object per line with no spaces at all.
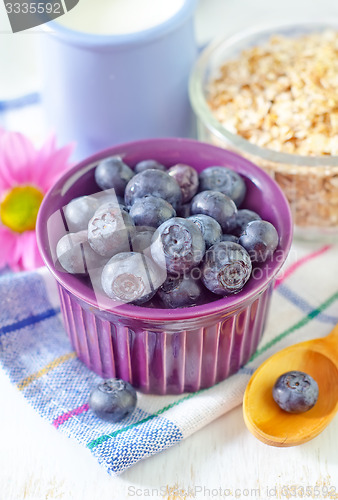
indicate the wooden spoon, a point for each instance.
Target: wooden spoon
{"x":276,"y":427}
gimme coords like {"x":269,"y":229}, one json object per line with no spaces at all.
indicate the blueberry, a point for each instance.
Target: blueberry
{"x":226,"y":181}
{"x":113,"y":400}
{"x":178,"y":245}
{"x":151,"y":211}
{"x":181,"y":291}
{"x":241,"y":219}
{"x":153,"y":303}
{"x":84,"y":208}
{"x":295,"y":392}
{"x":187,"y":178}
{"x":141,"y":239}
{"x":109,"y":197}
{"x":79,"y":211}
{"x":120,"y":200}
{"x":155,"y":183}
{"x":131,"y":277}
{"x":260,"y":239}
{"x":109,"y":230}
{"x":113,"y":173}
{"x":209,"y":227}
{"x":141,"y":166}
{"x":215,"y":204}
{"x":112,"y":205}
{"x":226,"y":268}
{"x":183,"y":210}
{"x":229,"y":237}
{"x":75,"y":254}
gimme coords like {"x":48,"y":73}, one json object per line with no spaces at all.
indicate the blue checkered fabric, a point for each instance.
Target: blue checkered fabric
{"x":37,"y":356}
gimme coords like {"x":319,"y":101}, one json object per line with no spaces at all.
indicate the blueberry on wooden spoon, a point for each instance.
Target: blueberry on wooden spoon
{"x":295,"y":392}
{"x":276,"y":427}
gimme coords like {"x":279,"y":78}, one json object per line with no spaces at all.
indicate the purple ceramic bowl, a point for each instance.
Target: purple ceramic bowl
{"x":162,"y":351}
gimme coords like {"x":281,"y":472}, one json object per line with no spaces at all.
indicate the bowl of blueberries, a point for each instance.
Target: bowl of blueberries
{"x":165,"y":253}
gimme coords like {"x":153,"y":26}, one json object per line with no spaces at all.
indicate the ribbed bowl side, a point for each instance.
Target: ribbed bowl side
{"x":161,"y":362}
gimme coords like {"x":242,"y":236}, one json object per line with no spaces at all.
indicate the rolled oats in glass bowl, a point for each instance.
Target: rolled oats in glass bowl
{"x":271,"y":94}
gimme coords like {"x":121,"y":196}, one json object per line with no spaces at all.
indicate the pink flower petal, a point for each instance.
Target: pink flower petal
{"x":29,"y":253}
{"x":4,"y":184}
{"x":58,"y":163}
{"x":42,"y":160}
{"x":8,"y":241}
{"x":21,"y":164}
{"x":17,"y":158}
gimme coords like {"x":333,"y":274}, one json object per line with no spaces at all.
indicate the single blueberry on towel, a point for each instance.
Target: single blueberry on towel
{"x":113,"y":400}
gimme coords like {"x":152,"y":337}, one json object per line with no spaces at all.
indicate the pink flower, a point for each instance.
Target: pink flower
{"x":26,"y":174}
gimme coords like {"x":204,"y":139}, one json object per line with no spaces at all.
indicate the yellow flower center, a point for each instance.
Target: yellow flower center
{"x":19,"y":208}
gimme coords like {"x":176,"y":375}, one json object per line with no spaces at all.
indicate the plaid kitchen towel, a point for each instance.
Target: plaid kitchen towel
{"x":39,"y":360}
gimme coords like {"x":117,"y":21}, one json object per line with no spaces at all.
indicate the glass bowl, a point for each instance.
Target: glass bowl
{"x":165,"y":351}
{"x":310,"y":183}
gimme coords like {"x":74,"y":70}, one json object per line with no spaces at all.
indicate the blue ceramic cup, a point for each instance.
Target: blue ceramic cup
{"x":100,"y":90}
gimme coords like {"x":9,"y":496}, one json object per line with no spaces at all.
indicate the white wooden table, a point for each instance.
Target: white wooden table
{"x":223,"y":460}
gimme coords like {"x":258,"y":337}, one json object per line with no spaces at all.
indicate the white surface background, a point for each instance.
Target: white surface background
{"x":37,"y":462}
